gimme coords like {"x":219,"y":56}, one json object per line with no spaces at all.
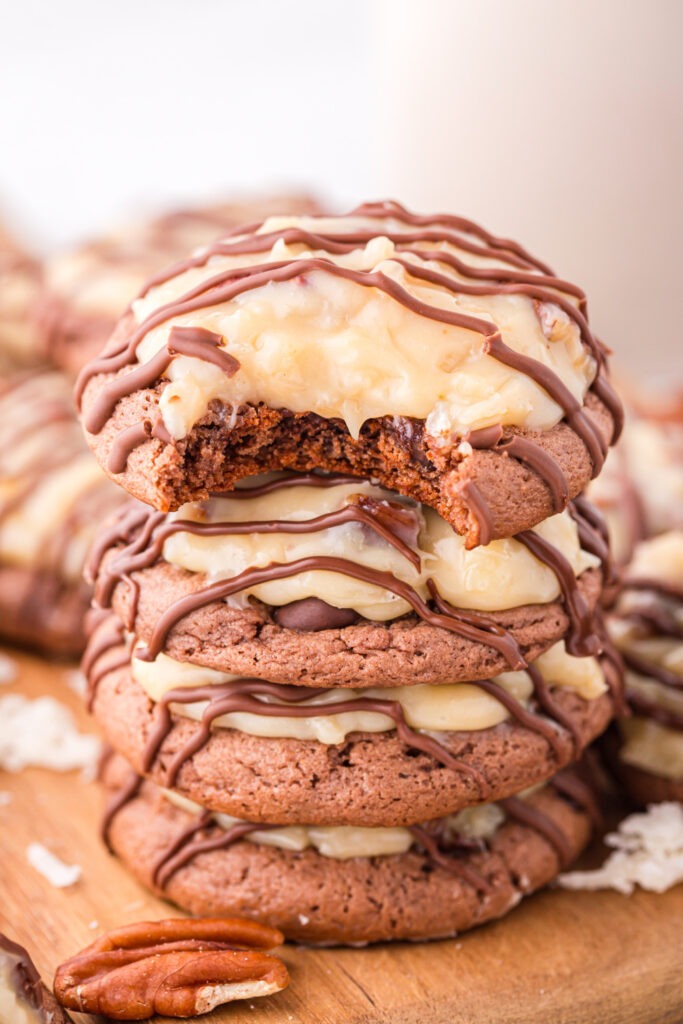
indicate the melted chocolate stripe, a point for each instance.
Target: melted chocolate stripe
{"x":542,"y":464}
{"x":454,"y":622}
{"x":528,"y":719}
{"x":580,"y":793}
{"x":445,"y":859}
{"x":526,"y":814}
{"x":391,"y":208}
{"x":198,"y":343}
{"x":582,"y":640}
{"x":479,"y":510}
{"x":658,"y":620}
{"x":530,"y":290}
{"x":549,"y":381}
{"x":547,"y":703}
{"x":124,"y":795}
{"x":187,"y":846}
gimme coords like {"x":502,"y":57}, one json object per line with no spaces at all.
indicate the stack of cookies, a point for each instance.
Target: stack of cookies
{"x":346,"y":640}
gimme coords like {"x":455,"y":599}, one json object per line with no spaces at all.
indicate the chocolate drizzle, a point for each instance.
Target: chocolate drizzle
{"x":516,"y":273}
{"x":582,"y":641}
{"x":530,"y":816}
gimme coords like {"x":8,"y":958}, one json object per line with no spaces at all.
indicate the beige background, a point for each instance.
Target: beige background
{"x":559,"y":122}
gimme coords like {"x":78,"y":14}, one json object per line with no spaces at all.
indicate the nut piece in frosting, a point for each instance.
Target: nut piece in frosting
{"x":178,"y":968}
{"x":24,"y":999}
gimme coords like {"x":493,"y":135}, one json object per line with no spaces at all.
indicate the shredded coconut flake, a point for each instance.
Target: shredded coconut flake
{"x":648,"y":851}
{"x":8,"y":670}
{"x":58,"y":873}
{"x":43,"y":733}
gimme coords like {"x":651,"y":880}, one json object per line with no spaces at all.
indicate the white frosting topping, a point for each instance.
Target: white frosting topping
{"x":320,"y":343}
{"x":342,"y":842}
{"x":443,"y":708}
{"x":500,"y":575}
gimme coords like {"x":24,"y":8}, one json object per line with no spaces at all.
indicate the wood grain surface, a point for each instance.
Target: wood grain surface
{"x":560,"y":957}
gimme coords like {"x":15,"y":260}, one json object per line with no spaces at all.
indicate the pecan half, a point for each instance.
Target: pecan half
{"x":178,"y":968}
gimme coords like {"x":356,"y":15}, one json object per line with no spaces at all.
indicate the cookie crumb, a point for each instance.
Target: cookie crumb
{"x":58,"y":874}
{"x":8,"y":670}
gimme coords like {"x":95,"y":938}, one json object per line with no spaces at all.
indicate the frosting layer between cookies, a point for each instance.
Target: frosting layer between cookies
{"x":341,"y":842}
{"x":443,"y":708}
{"x":503,"y":574}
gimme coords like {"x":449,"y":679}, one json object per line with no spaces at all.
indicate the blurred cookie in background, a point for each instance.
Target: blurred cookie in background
{"x":640,"y":491}
{"x":52,"y":499}
{"x":647,"y":627}
{"x":20,"y":284}
{"x":87,"y":288}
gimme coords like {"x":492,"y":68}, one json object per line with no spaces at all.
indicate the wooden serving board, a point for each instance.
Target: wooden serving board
{"x":561,"y":957}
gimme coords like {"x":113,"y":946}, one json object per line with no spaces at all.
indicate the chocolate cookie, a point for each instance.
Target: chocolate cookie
{"x":411,"y":775}
{"x":368,"y":344}
{"x":396,"y":580}
{"x":52,"y":497}
{"x":86,"y":289}
{"x":444,"y":882}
